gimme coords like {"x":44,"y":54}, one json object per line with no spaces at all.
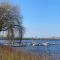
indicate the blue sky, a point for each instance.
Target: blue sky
{"x":41,"y":18}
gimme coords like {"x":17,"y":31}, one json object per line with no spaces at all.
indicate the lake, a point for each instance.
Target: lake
{"x":49,"y":49}
{"x":52,"y":50}
{"x":49,"y":52}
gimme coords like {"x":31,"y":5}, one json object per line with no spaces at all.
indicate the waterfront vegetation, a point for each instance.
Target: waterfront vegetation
{"x":8,"y":53}
{"x":44,"y":52}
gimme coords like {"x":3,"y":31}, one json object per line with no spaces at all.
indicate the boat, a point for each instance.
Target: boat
{"x":45,"y":44}
{"x":34,"y":44}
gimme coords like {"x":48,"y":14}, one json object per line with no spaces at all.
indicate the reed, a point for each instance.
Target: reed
{"x":8,"y":53}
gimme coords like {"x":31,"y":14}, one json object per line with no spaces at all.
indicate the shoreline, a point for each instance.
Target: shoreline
{"x":8,"y":53}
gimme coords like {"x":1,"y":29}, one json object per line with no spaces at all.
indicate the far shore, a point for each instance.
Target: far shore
{"x":32,"y":39}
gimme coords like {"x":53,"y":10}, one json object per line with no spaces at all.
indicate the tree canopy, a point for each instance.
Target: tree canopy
{"x":10,"y":18}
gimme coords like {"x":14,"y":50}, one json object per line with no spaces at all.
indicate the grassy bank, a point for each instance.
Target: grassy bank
{"x":8,"y":53}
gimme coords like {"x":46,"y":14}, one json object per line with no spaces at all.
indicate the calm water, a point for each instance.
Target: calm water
{"x":52,"y":51}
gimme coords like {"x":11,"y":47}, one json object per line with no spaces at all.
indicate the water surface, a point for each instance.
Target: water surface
{"x":49,"y":52}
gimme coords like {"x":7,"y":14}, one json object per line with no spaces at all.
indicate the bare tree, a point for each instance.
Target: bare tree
{"x":10,"y":19}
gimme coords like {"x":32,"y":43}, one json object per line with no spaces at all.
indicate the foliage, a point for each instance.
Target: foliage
{"x":10,"y":19}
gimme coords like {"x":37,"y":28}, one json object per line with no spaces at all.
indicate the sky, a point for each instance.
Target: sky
{"x":41,"y":18}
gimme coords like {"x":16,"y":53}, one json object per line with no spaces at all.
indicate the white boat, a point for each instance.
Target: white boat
{"x":34,"y":44}
{"x":45,"y":44}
